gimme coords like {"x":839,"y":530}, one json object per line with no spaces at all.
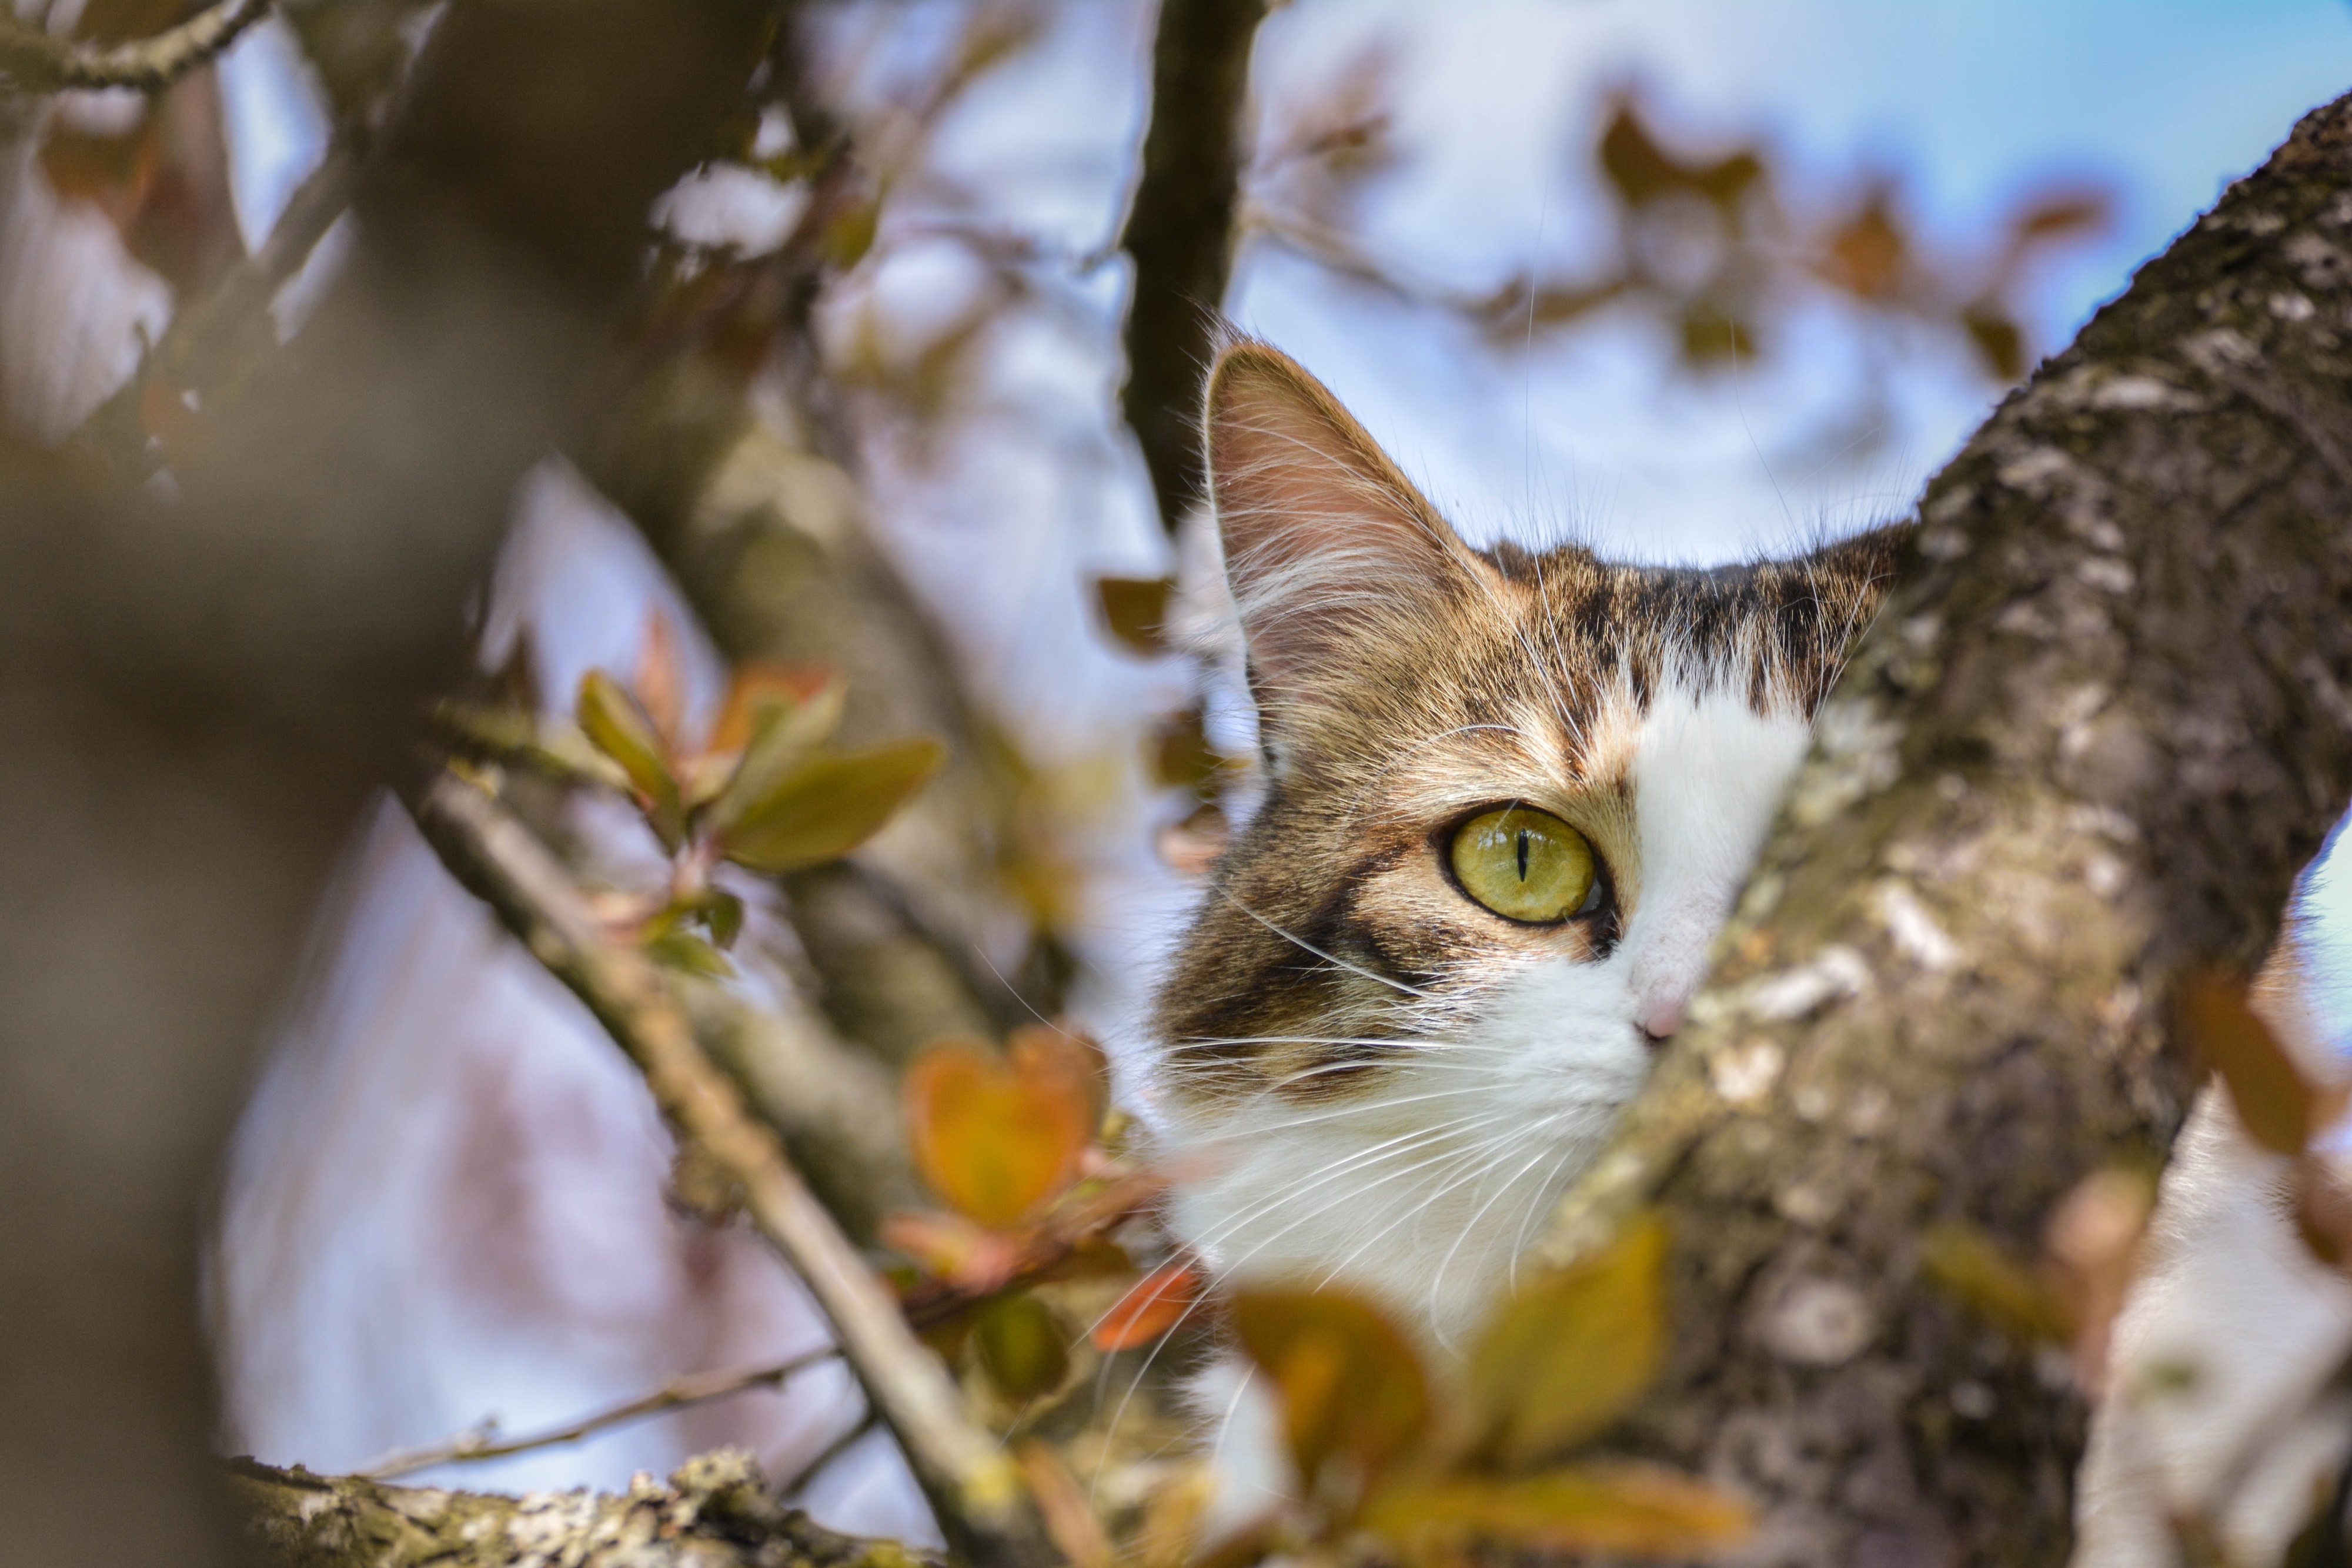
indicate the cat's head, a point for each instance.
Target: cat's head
{"x":1510,"y":798}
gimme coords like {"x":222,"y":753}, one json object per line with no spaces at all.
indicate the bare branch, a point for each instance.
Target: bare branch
{"x":32,"y":60}
{"x":715,"y":1513}
{"x":1179,"y":233}
{"x":973,"y":1487}
{"x":678,"y":1394}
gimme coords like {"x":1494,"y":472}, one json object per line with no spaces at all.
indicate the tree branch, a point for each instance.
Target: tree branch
{"x":716,"y":1511}
{"x":32,"y":60}
{"x":971,"y":1485}
{"x":2102,"y":724}
{"x":1179,"y":233}
{"x":678,"y":1394}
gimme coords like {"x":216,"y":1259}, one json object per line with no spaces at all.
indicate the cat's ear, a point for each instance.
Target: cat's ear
{"x":1327,"y":545}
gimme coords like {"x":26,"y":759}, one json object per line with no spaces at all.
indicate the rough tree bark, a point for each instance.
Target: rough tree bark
{"x":715,"y":1513}
{"x":2097,"y":731}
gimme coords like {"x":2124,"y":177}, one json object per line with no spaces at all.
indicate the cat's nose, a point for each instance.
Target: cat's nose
{"x":1660,"y":1018}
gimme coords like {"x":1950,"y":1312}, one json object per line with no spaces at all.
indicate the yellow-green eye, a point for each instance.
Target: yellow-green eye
{"x":1525,"y":864}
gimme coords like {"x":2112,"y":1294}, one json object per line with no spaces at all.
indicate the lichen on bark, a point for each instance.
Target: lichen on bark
{"x":714,"y":1512}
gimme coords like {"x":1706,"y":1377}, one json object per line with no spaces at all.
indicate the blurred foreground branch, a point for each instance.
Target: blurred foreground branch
{"x":971,"y":1485}
{"x":1180,"y":232}
{"x":2101,"y":727}
{"x":33,"y":60}
{"x":715,"y":1511}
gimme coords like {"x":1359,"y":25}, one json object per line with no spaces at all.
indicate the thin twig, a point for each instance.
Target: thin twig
{"x":32,"y":60}
{"x":678,"y":1394}
{"x":973,"y":1487}
{"x":1179,"y":233}
{"x":840,"y":1444}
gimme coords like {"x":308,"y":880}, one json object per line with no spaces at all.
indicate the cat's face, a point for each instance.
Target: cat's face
{"x":1510,"y":797}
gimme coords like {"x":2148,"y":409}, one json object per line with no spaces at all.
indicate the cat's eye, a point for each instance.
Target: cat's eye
{"x":1526,"y":864}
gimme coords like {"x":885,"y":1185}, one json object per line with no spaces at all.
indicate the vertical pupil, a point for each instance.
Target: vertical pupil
{"x":1523,"y":854}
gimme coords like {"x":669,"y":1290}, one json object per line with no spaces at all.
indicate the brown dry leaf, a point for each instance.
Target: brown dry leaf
{"x":997,"y":1137}
{"x":1180,"y":752}
{"x":1350,"y":1384}
{"x":112,"y":173}
{"x":829,"y":806}
{"x":2274,"y":1103}
{"x":1624,"y":1511}
{"x":1156,"y":1303}
{"x":1571,"y":1352}
{"x":1867,"y":255}
{"x":1135,"y":610}
{"x":1063,"y":1502}
{"x":1971,"y":1266}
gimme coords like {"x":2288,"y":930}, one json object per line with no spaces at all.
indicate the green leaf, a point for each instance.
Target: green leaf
{"x":1022,"y":1349}
{"x":677,"y":949}
{"x":829,"y":807}
{"x":1972,"y":1267}
{"x":555,"y":747}
{"x":784,"y":729}
{"x":722,"y":914}
{"x":1350,"y":1384}
{"x":1619,"y":1510}
{"x":621,"y":730}
{"x":850,"y":235}
{"x":1571,"y":1352}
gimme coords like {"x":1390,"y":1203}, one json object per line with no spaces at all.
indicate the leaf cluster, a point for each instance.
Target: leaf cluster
{"x":763,"y":791}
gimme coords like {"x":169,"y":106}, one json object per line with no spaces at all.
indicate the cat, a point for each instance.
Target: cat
{"x":1506,"y":797}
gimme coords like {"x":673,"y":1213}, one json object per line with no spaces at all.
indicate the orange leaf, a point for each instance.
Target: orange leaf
{"x":1350,"y":1384}
{"x":755,"y":684}
{"x":950,"y":1247}
{"x":997,"y":1138}
{"x":1158,"y":1302}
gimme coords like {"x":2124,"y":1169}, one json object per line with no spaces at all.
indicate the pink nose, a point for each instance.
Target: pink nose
{"x":1660,"y":1018}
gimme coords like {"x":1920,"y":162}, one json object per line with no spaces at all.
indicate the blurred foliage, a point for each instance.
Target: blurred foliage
{"x":762,"y":791}
{"x":1706,"y":245}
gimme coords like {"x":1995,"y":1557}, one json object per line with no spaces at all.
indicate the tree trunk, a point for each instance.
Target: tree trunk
{"x":2098,"y":729}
